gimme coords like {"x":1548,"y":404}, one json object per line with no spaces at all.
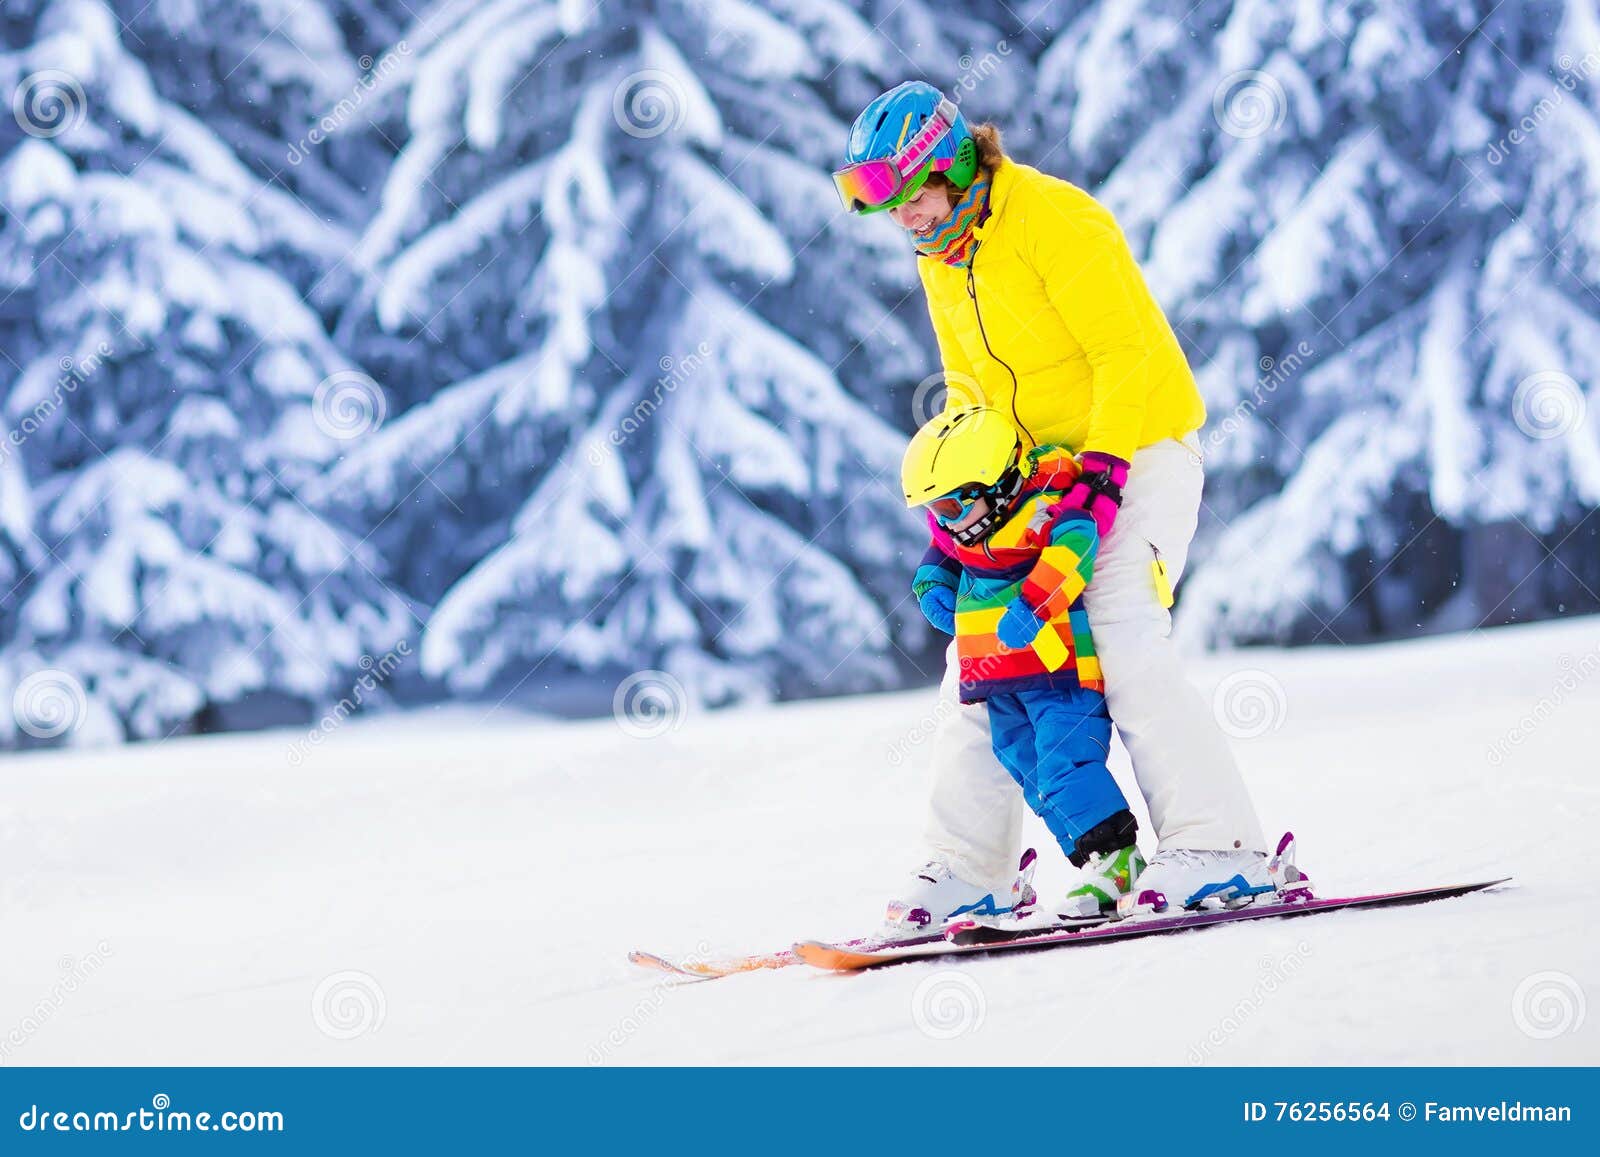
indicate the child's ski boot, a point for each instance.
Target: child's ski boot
{"x":1103,"y":882}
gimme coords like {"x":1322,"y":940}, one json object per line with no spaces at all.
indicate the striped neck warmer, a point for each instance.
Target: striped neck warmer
{"x":952,"y":242}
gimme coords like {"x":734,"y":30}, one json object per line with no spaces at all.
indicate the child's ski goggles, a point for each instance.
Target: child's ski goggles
{"x":868,"y":185}
{"x":953,"y":507}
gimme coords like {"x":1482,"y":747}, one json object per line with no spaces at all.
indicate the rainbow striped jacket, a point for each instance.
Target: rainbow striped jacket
{"x":1047,"y":559}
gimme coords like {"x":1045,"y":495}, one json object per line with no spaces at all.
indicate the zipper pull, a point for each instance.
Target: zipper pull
{"x":1158,"y":570}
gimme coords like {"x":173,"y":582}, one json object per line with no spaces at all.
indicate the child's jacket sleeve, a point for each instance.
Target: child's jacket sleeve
{"x":938,"y":568}
{"x":1065,"y":566}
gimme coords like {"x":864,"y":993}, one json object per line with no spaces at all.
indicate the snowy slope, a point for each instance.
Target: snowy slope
{"x":482,"y":880}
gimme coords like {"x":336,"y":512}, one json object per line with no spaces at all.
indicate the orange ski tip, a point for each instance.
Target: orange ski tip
{"x":835,"y":959}
{"x":662,"y":964}
{"x":697,"y":969}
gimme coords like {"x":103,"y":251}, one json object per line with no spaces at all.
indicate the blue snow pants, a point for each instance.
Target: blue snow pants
{"x":1054,"y":743}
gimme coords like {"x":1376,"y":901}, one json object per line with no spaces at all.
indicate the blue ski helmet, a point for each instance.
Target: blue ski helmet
{"x":891,"y":120}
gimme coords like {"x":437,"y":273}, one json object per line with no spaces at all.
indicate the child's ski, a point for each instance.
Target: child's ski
{"x":968,"y":938}
{"x":699,"y":968}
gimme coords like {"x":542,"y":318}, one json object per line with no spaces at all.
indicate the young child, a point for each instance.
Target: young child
{"x":1004,"y":575}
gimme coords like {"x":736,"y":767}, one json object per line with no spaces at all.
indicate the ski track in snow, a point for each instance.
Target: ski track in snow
{"x":480,"y":880}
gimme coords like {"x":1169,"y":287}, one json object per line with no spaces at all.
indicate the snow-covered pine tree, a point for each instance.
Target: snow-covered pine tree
{"x":294,"y":90}
{"x":645,"y":349}
{"x":1388,"y":321}
{"x":161,"y":391}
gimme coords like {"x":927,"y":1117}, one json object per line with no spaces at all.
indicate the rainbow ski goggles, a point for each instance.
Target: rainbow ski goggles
{"x":869,"y":185}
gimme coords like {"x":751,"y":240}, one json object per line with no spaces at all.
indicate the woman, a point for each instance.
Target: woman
{"x":1041,"y":312}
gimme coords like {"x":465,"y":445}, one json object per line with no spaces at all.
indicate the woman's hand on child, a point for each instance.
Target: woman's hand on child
{"x":1098,"y":490}
{"x":1020,"y":625}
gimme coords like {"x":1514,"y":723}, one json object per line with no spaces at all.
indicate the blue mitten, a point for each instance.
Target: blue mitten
{"x":938,"y":603}
{"x":1019,"y":625}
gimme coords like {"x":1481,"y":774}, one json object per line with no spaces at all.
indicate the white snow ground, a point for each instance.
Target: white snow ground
{"x":482,"y":880}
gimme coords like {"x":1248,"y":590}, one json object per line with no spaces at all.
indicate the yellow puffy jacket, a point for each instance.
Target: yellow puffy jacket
{"x":1054,"y":293}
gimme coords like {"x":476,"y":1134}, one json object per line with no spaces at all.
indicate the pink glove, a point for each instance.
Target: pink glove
{"x":1098,"y":490}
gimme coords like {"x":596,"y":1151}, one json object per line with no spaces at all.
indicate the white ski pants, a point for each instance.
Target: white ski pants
{"x":1180,"y":756}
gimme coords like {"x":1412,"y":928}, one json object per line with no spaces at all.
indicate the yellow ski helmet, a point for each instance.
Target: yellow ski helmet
{"x":970,"y":447}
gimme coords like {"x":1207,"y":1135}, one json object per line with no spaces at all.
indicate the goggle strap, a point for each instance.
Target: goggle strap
{"x":942,"y":121}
